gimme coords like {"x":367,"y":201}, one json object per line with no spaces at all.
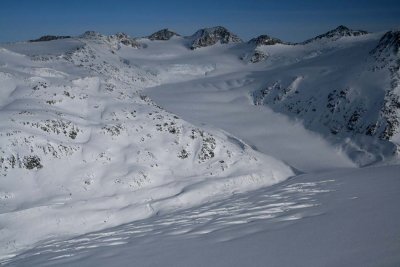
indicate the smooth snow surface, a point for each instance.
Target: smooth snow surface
{"x":340,"y":218}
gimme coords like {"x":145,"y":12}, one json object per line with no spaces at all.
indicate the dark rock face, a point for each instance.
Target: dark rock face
{"x":210,"y":36}
{"x":265,"y":40}
{"x":47,"y":38}
{"x":337,"y":33}
{"x":388,"y":45}
{"x":387,"y":58}
{"x":32,"y":162}
{"x":258,"y":56}
{"x":163,"y":35}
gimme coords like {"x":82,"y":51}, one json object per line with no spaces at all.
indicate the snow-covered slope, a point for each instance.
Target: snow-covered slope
{"x":341,"y":218}
{"x":83,"y":149}
{"x":342,"y":88}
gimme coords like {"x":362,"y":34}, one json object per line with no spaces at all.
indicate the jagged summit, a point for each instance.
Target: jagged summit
{"x":46,"y":38}
{"x":337,"y":33}
{"x":115,"y":40}
{"x":91,"y":35}
{"x":265,"y":40}
{"x":163,"y":35}
{"x":388,"y":44}
{"x":210,"y":36}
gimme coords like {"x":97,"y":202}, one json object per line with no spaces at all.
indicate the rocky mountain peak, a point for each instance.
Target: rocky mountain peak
{"x":337,"y":33}
{"x":210,"y":36}
{"x":124,"y":39}
{"x":163,"y":35}
{"x":265,"y":40}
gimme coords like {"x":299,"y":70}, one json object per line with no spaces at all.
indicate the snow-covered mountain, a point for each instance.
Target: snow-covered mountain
{"x":98,"y":131}
{"x":347,"y":87}
{"x":256,"y":51}
{"x":79,"y":136}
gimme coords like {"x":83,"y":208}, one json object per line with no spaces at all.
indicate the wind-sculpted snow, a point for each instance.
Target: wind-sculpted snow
{"x":83,"y":148}
{"x":284,"y":204}
{"x":347,"y":218}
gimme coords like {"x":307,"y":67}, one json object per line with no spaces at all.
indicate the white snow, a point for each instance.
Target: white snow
{"x":339,"y":218}
{"x":158,"y":156}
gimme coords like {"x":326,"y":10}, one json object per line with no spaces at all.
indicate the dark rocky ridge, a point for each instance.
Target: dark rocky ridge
{"x":386,"y":56}
{"x":336,"y":34}
{"x":388,"y":45}
{"x":162,"y":35}
{"x":210,"y":36}
{"x":265,"y":40}
{"x":47,"y":38}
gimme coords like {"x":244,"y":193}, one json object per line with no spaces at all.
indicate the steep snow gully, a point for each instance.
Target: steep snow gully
{"x":200,"y":150}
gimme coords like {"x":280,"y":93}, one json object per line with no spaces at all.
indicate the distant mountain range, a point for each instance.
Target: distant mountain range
{"x":210,"y":36}
{"x":347,"y":105}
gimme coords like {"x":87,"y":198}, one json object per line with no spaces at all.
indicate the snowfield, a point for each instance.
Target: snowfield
{"x":339,"y":218}
{"x":200,"y":151}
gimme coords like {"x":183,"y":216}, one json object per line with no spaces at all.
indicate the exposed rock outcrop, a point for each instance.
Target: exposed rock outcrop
{"x":210,"y":36}
{"x":335,"y":34}
{"x":265,"y":40}
{"x":163,"y":35}
{"x":47,"y":38}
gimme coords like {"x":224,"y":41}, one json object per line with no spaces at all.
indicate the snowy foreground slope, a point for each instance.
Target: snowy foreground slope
{"x":114,"y":148}
{"x":340,"y":218}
